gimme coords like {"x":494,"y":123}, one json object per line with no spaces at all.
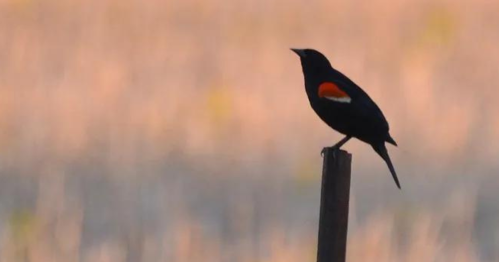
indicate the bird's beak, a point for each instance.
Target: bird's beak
{"x":299,"y":52}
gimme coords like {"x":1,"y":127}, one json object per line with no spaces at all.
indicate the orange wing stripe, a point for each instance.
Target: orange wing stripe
{"x":328,"y":89}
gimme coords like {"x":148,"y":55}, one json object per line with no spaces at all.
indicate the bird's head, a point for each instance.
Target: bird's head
{"x":313,"y":62}
{"x":320,"y":76}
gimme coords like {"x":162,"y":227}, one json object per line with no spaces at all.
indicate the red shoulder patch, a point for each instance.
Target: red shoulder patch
{"x":331,"y":90}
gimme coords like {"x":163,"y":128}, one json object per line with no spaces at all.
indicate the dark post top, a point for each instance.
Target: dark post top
{"x":335,"y":195}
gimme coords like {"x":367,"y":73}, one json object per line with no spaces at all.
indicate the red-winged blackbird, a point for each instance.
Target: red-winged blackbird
{"x":344,"y":106}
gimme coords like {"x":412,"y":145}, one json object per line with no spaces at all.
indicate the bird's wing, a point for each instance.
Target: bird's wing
{"x":363,"y":108}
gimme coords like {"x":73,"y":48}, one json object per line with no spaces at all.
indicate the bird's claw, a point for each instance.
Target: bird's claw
{"x":323,"y":151}
{"x":333,"y":148}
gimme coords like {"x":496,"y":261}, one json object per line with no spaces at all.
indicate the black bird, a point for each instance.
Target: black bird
{"x":344,"y":106}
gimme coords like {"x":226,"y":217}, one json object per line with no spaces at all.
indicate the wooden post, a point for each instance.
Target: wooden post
{"x":335,"y":195}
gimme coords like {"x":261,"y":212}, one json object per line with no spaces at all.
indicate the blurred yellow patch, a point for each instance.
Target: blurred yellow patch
{"x":307,"y":172}
{"x":219,"y":104}
{"x":22,"y":5}
{"x":22,"y":225}
{"x":439,"y":26}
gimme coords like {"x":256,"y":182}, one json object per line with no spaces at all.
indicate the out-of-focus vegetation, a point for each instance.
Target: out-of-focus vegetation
{"x":180,"y":131}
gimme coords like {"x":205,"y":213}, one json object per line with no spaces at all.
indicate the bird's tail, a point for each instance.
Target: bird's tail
{"x":390,"y":140}
{"x":380,"y":148}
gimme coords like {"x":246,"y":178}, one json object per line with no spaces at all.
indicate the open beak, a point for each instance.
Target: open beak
{"x":299,"y":52}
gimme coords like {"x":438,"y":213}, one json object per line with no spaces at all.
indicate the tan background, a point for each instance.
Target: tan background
{"x":180,"y":131}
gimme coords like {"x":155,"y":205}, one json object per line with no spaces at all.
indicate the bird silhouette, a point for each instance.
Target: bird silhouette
{"x":344,"y":106}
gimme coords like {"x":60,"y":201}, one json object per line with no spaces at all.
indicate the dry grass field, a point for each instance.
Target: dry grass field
{"x":179,"y":131}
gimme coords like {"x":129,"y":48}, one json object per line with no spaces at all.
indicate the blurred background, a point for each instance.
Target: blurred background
{"x":180,"y":130}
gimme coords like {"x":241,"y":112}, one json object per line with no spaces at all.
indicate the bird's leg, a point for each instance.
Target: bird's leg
{"x":341,"y":142}
{"x":338,"y":145}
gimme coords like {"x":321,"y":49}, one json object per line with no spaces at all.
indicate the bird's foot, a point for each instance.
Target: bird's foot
{"x":333,"y":148}
{"x":337,"y":146}
{"x":323,"y":151}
